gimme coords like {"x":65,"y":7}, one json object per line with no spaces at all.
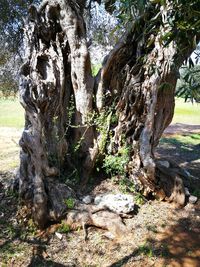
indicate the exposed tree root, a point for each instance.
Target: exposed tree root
{"x":172,"y":181}
{"x":104,"y":219}
{"x":82,"y":216}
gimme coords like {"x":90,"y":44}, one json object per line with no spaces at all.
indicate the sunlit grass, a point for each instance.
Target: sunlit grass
{"x":11,"y":113}
{"x":186,"y":113}
{"x":95,"y":69}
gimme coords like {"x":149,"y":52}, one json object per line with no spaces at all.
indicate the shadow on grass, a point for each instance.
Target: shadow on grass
{"x":178,"y":245}
{"x":185,"y":150}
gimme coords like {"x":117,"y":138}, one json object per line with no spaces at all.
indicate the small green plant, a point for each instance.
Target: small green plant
{"x":115,"y":164}
{"x":146,"y":250}
{"x":102,"y":122}
{"x":77,"y":146}
{"x":139,"y":198}
{"x":125,"y":185}
{"x":112,"y":165}
{"x":31,"y":227}
{"x":152,"y":228}
{"x":10,"y":251}
{"x":11,"y":231}
{"x":70,"y":202}
{"x":64,"y":228}
{"x":70,"y":110}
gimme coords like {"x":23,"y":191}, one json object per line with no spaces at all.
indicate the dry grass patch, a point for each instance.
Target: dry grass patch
{"x":9,"y":148}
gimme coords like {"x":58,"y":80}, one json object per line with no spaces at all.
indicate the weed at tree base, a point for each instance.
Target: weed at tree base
{"x":70,"y":203}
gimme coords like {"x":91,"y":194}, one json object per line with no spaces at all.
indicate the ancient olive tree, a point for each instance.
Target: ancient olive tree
{"x":72,"y":119}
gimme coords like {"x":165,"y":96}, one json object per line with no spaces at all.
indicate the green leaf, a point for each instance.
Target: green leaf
{"x":141,"y":5}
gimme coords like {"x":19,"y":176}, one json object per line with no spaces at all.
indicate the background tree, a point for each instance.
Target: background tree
{"x":11,"y":35}
{"x":188,"y":87}
{"x":73,"y":120}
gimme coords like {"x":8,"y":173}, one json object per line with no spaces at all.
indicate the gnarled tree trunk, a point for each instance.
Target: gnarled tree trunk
{"x":61,"y":98}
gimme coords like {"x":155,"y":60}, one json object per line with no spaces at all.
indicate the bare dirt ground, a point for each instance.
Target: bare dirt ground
{"x":159,"y":234}
{"x":9,"y":148}
{"x":186,"y":155}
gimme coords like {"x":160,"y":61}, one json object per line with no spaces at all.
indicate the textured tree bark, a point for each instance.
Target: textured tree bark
{"x":57,"y":68}
{"x":60,"y":97}
{"x":142,"y":78}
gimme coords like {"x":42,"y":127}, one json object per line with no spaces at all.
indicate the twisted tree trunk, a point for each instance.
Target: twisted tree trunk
{"x":61,"y":99}
{"x":55,"y":77}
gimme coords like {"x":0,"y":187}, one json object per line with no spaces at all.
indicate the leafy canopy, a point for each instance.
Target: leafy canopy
{"x":11,"y":21}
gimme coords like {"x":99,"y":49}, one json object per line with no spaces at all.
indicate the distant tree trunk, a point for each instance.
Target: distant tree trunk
{"x":61,"y":98}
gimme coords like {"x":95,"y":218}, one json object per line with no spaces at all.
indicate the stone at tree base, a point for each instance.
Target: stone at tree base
{"x":192,"y":199}
{"x":109,"y":235}
{"x":58,"y":235}
{"x":58,"y":193}
{"x":164,"y":163}
{"x":187,"y":193}
{"x":119,"y":203}
{"x":87,"y":199}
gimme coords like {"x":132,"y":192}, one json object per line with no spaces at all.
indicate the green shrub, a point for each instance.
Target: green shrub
{"x":115,"y":164}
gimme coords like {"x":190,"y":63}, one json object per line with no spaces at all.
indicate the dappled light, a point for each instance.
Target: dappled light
{"x":175,"y":244}
{"x":183,"y":147}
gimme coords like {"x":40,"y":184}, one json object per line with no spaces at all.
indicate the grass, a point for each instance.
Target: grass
{"x":186,"y":113}
{"x":9,"y":148}
{"x":190,"y":139}
{"x":11,"y":113}
{"x":12,"y":251}
{"x":12,"y":119}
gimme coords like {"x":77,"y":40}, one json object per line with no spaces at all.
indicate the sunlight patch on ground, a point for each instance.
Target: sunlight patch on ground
{"x":11,"y":113}
{"x":9,"y":152}
{"x":187,"y":113}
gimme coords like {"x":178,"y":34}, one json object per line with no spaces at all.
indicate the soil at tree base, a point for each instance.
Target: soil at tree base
{"x":160,"y":235}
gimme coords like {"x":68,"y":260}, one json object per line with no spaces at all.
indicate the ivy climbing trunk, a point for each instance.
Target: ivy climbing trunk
{"x":63,"y":102}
